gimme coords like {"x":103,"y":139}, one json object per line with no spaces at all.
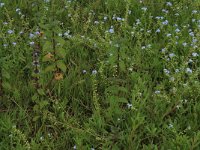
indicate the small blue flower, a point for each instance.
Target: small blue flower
{"x":10,"y":31}
{"x":14,"y":43}
{"x":165,"y":22}
{"x":31,"y":35}
{"x":191,"y":34}
{"x":171,"y":55}
{"x":111,"y":30}
{"x":177,"y":30}
{"x":158,"y":31}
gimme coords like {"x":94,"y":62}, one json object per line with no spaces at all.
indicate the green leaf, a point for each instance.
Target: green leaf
{"x":60,"y":40}
{"x":50,"y":68}
{"x":61,"y":52}
{"x":43,"y":104}
{"x":122,"y":66}
{"x":34,"y":97}
{"x":47,"y":46}
{"x":61,"y":65}
{"x":5,"y":74}
{"x":6,"y":85}
{"x":122,"y":100}
{"x":41,"y":91}
{"x":36,"y":118}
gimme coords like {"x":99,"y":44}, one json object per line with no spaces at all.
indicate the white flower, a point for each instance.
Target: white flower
{"x":17,"y":9}
{"x":32,"y":43}
{"x":169,"y":34}
{"x":176,"y":14}
{"x":178,"y":106}
{"x":96,"y":22}
{"x":158,"y":30}
{"x":193,"y":20}
{"x":190,"y":61}
{"x":5,"y":45}
{"x":144,"y":9}
{"x":41,"y":138}
{"x":21,"y":32}
{"x":176,"y":70}
{"x":184,"y":44}
{"x":94,"y":72}
{"x":129,"y":105}
{"x":157,"y":17}
{"x":130,"y":69}
{"x":143,"y":47}
{"x":169,"y":4}
{"x":171,"y":55}
{"x":2,"y":4}
{"x":157,"y":92}
{"x":166,"y":71}
{"x":177,"y":30}
{"x":148,"y":31}
{"x":165,"y":11}
{"x":138,"y":22}
{"x":195,"y":54}
{"x":170,"y":125}
{"x":84,"y":71}
{"x":163,"y":50}
{"x":188,"y":70}
{"x":149,"y":46}
{"x":194,"y":11}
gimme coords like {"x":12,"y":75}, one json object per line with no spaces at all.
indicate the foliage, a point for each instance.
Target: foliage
{"x":99,"y":74}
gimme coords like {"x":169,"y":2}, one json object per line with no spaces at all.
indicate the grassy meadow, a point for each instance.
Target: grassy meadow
{"x":99,"y":75}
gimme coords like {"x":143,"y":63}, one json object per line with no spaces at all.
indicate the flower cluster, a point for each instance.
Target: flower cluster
{"x":36,"y":65}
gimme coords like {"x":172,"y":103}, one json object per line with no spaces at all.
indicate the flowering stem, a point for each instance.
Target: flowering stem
{"x":1,"y":87}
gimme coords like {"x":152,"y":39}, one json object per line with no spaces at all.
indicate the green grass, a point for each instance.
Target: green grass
{"x":99,"y":74}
